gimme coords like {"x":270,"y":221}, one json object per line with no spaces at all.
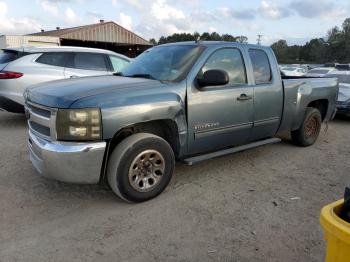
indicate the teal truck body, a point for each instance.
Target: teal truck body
{"x":186,"y":101}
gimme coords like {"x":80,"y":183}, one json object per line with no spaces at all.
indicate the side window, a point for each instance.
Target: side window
{"x":118,"y":63}
{"x":88,"y":61}
{"x":54,"y":59}
{"x":261,"y":66}
{"x":229,"y":60}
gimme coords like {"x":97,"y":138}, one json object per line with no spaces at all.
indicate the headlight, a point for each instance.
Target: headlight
{"x":79,"y":124}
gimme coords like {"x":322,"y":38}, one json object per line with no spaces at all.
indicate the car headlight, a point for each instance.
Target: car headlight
{"x":79,"y":124}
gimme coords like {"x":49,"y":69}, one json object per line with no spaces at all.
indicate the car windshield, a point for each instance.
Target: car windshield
{"x":341,"y":78}
{"x":164,"y":63}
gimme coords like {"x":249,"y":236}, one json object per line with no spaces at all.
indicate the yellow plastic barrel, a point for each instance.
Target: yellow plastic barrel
{"x":336,"y":233}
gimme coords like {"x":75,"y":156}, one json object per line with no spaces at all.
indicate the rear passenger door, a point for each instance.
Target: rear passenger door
{"x":268,"y":93}
{"x":48,"y":66}
{"x":86,"y":64}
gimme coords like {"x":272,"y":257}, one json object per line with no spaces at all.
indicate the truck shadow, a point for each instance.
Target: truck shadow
{"x":341,"y":119}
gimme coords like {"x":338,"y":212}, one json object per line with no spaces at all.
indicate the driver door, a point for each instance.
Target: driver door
{"x":221,"y":116}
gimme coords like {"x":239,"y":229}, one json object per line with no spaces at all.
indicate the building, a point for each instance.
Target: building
{"x":105,"y":35}
{"x":10,"y":41}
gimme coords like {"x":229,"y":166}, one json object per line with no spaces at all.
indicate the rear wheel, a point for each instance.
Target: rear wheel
{"x":310,"y":129}
{"x":140,"y":167}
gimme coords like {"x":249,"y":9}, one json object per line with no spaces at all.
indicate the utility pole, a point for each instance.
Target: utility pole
{"x":259,"y":39}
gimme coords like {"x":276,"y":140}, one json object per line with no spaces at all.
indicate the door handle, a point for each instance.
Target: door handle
{"x":244,"y":97}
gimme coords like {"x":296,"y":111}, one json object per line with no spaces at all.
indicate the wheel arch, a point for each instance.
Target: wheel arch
{"x":322,"y":105}
{"x":165,"y":128}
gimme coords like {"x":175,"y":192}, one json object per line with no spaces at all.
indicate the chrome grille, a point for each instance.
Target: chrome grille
{"x":41,"y":120}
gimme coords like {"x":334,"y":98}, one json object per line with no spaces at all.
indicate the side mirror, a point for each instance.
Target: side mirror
{"x":213,"y":77}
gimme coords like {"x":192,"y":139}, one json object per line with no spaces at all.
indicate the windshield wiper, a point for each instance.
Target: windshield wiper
{"x":148,"y":76}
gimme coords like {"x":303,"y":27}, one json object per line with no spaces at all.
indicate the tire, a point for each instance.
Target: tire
{"x":310,"y":129}
{"x":137,"y":161}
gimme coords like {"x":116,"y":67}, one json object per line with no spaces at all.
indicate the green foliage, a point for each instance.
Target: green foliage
{"x":214,"y":36}
{"x":334,"y":48}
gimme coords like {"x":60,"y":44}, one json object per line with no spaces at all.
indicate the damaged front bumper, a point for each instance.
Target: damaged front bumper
{"x":67,"y":161}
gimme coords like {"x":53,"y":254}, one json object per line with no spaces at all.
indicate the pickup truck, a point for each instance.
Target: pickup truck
{"x":188,"y":102}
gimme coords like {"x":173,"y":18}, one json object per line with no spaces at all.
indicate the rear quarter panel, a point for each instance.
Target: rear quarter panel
{"x":299,"y":93}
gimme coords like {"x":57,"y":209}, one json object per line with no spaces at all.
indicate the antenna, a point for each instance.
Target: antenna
{"x":259,"y":39}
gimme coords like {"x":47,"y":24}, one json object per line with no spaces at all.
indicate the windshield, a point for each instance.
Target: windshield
{"x":341,"y":78}
{"x":164,"y":63}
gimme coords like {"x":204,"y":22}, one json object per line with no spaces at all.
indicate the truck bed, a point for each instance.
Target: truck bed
{"x":299,"y":92}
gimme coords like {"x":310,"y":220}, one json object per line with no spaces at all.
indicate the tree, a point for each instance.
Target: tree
{"x":281,"y":50}
{"x":214,"y":36}
{"x":346,"y":26}
{"x":346,"y":32}
{"x":153,"y":41}
{"x":228,"y":38}
{"x":314,"y":51}
{"x":242,"y":39}
{"x":335,"y":47}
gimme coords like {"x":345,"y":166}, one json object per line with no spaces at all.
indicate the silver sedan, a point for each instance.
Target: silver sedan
{"x":23,"y":67}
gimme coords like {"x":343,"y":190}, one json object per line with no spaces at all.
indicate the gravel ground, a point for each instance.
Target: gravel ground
{"x":259,"y":205}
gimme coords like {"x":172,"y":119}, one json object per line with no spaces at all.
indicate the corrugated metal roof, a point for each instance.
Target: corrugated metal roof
{"x":109,"y":32}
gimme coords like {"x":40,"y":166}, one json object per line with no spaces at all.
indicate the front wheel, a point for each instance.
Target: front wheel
{"x":310,"y":129}
{"x":140,"y":167}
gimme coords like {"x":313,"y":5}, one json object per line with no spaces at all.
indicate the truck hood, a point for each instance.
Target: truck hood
{"x":344,"y":92}
{"x":63,"y":93}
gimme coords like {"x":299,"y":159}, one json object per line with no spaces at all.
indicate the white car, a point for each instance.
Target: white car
{"x":343,"y":102}
{"x":293,"y":71}
{"x":320,"y":71}
{"x":23,"y":67}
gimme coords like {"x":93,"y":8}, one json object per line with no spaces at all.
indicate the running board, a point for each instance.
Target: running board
{"x":197,"y":159}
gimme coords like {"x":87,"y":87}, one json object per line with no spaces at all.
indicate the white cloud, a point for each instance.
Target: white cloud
{"x":212,"y":29}
{"x":162,"y":11}
{"x":270,"y":11}
{"x":325,"y":9}
{"x":114,"y":2}
{"x":3,"y":9}
{"x":125,"y":21}
{"x":14,"y":26}
{"x":50,"y":7}
{"x":70,"y":16}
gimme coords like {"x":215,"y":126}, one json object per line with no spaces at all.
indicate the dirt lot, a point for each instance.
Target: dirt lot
{"x":235,"y":208}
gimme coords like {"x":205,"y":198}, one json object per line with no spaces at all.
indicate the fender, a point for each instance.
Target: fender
{"x":127,"y":109}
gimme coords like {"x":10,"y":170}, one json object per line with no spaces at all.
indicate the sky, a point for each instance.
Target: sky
{"x":297,"y":21}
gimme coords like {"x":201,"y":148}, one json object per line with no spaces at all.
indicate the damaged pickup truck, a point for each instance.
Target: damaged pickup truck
{"x":188,"y":102}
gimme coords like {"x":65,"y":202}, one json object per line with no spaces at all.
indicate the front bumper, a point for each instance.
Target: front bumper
{"x":67,"y":161}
